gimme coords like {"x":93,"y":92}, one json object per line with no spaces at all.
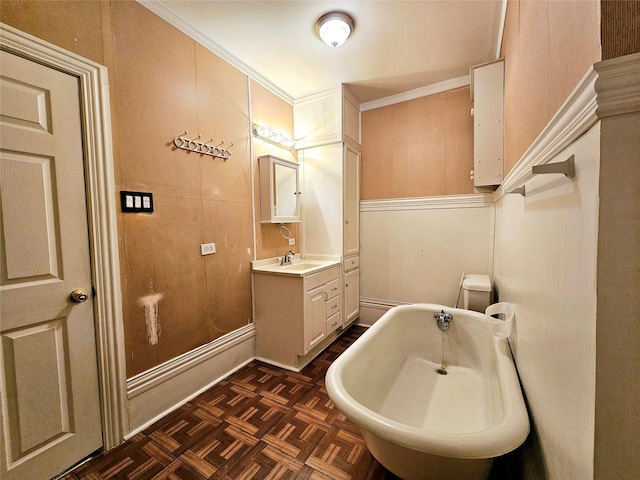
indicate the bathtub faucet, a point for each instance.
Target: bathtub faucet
{"x":443,"y":319}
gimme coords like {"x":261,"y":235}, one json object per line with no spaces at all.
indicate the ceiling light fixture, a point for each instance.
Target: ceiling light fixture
{"x":334,"y":28}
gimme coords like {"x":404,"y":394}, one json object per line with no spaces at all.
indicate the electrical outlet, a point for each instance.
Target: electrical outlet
{"x":292,"y":241}
{"x":207,"y":248}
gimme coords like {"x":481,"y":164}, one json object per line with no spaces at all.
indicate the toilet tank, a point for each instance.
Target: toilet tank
{"x":476,"y":292}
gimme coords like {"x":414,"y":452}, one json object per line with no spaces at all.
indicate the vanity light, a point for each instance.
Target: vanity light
{"x":334,"y":28}
{"x":268,"y":134}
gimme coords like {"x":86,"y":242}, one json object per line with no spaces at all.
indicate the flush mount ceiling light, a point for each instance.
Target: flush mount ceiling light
{"x":334,"y":28}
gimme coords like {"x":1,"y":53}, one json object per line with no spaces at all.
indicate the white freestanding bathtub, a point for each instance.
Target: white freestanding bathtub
{"x":420,"y":424}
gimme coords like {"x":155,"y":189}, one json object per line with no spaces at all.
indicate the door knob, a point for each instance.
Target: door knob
{"x":78,"y":295}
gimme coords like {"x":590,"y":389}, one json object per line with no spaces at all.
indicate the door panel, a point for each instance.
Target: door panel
{"x":50,"y":405}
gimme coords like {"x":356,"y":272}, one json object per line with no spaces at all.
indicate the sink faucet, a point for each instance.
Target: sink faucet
{"x":443,"y":319}
{"x":286,"y":260}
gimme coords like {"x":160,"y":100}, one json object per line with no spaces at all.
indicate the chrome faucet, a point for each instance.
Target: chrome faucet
{"x":286,"y":259}
{"x":443,"y":319}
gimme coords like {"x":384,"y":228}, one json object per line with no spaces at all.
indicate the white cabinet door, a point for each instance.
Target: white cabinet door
{"x":488,"y":150}
{"x":315,"y":317}
{"x":351,"y":295}
{"x":351,"y":201}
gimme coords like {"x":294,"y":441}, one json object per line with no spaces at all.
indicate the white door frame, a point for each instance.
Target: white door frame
{"x":101,"y":208}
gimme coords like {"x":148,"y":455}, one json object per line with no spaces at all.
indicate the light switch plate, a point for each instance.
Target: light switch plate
{"x":292,"y":241}
{"x":207,"y":248}
{"x":136,"y":202}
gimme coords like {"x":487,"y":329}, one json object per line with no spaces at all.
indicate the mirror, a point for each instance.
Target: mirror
{"x":279,"y":195}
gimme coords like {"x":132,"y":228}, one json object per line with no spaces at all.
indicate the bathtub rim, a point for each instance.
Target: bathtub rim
{"x":507,"y":435}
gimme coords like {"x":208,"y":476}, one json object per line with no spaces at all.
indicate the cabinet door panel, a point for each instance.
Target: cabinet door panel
{"x":352,"y":295}
{"x":315,"y":326}
{"x":351,"y":201}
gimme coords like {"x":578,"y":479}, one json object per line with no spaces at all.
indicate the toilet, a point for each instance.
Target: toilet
{"x":476,"y":292}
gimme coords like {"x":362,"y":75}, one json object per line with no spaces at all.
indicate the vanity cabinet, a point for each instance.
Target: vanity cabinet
{"x":295,"y":316}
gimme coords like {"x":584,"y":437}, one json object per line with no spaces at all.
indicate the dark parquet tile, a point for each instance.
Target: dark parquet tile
{"x":138,"y":458}
{"x":340,"y":455}
{"x":261,"y":422}
{"x":316,"y":404}
{"x":257,"y":416}
{"x":297,"y":434}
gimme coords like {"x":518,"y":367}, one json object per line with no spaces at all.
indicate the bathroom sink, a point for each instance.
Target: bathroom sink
{"x":297,"y":267}
{"x":302,"y":265}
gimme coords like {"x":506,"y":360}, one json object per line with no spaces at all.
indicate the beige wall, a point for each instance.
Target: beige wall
{"x":161,"y":84}
{"x":547,"y":46}
{"x":418,"y":148}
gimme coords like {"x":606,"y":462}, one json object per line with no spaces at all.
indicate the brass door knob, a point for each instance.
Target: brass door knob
{"x":78,"y":295}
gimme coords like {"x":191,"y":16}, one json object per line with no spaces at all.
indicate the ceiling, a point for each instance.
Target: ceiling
{"x":397,"y":46}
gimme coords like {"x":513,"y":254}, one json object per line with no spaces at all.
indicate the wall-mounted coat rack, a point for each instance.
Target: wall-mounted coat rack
{"x":203,"y":148}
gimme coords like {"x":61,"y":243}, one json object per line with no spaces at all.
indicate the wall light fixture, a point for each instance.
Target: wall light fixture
{"x":268,"y":134}
{"x":334,"y":28}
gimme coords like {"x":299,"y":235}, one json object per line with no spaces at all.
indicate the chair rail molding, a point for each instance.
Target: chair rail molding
{"x":608,"y":88}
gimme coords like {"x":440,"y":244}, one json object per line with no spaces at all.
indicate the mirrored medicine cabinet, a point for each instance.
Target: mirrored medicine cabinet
{"x":279,"y":190}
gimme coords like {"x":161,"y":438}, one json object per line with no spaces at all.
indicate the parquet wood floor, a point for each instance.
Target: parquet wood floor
{"x":261,"y":422}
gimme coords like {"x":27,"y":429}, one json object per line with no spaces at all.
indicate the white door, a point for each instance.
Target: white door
{"x":50,"y":415}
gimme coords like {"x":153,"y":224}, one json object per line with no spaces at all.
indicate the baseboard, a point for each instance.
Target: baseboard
{"x":156,"y":392}
{"x":371,"y":309}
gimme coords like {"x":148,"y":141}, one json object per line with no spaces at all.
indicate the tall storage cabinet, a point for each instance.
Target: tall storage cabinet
{"x":327,"y":126}
{"x":487,"y":98}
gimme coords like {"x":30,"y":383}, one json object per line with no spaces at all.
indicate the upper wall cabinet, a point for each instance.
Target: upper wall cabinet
{"x":487,"y":99}
{"x":279,"y":190}
{"x":326,"y":117}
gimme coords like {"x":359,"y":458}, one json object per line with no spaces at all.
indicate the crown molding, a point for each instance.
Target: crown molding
{"x":417,"y":93}
{"x":173,"y":19}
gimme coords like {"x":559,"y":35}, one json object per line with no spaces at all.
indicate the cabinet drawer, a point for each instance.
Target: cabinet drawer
{"x":333,"y":322}
{"x":351,"y":263}
{"x":316,"y":279}
{"x":333,"y":306}
{"x":333,"y":288}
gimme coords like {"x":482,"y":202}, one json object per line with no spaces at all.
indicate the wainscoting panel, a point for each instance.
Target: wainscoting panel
{"x":416,"y":250}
